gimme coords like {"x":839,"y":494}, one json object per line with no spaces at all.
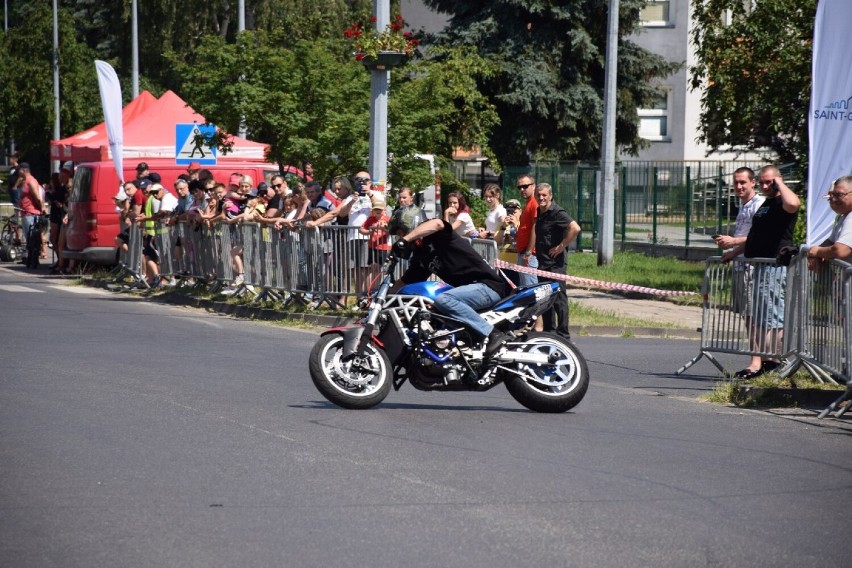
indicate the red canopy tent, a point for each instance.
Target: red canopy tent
{"x":149,"y":132}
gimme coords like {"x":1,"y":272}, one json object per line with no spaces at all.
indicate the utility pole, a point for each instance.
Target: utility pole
{"x":606,"y":233}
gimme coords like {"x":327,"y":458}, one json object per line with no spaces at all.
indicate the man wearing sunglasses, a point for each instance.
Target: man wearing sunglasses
{"x":839,"y":244}
{"x":525,"y":235}
{"x":771,"y":230}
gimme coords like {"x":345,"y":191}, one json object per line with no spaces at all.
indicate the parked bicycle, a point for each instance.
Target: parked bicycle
{"x":11,"y":241}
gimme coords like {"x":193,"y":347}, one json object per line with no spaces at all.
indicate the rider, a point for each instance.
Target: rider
{"x":434,"y":247}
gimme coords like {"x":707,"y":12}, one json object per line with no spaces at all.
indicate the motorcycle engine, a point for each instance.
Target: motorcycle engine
{"x":439,"y":355}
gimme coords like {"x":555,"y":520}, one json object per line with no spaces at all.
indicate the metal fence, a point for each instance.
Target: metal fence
{"x":816,"y":330}
{"x":677,"y":203}
{"x":322,"y":265}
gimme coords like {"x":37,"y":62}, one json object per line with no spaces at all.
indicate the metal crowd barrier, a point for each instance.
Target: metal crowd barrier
{"x":817,"y":325}
{"x":733,"y":320}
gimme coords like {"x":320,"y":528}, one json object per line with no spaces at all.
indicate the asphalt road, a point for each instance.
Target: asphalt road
{"x":138,"y":434}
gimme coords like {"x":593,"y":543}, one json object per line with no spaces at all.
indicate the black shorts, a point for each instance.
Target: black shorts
{"x":149,"y":248}
{"x":125,"y":237}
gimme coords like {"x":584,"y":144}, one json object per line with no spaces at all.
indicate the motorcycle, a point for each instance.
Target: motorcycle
{"x":401,"y":338}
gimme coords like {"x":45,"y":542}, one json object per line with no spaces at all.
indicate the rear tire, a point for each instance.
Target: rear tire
{"x":549,"y":388}
{"x":361,"y":383}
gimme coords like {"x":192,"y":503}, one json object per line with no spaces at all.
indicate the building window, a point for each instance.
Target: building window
{"x":656,"y":14}
{"x":654,"y":121}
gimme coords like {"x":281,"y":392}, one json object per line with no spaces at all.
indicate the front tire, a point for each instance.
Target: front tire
{"x":549,"y":388}
{"x":360,"y":383}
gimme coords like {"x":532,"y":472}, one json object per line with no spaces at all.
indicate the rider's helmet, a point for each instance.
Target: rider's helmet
{"x":405,"y":219}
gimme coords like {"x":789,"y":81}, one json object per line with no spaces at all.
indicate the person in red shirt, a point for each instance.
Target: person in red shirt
{"x":525,"y":235}
{"x":32,"y":202}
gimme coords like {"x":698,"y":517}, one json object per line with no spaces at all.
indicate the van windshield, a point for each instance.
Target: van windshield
{"x":82,"y":189}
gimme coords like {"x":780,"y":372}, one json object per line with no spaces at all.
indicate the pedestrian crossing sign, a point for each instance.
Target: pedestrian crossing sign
{"x":190,"y":147}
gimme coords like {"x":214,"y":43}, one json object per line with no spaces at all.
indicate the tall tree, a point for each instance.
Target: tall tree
{"x":548,"y":90}
{"x":26,"y":77}
{"x":755,"y":71}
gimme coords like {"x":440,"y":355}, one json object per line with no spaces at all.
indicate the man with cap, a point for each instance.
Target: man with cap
{"x":192,"y":169}
{"x":141,"y":171}
{"x":375,"y":227}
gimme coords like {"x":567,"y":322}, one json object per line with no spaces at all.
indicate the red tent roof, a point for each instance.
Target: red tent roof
{"x":149,"y":132}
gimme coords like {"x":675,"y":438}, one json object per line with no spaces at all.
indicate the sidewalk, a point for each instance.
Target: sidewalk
{"x":653,"y":311}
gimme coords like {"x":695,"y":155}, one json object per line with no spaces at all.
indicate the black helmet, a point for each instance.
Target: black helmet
{"x":405,"y":219}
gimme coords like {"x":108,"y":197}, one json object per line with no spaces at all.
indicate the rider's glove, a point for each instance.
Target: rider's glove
{"x":402,"y":249}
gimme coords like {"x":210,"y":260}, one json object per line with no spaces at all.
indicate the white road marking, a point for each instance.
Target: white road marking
{"x":16,"y":288}
{"x":81,"y":290}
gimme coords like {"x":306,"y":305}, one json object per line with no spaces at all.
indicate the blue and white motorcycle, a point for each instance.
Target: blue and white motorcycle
{"x":401,"y":338}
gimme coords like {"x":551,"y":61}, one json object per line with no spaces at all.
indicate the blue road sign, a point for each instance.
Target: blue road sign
{"x":190,"y":148}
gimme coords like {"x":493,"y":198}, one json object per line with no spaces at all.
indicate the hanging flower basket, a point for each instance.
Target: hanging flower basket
{"x":384,"y":60}
{"x":381,"y":49}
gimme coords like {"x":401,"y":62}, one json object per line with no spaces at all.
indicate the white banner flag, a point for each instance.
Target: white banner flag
{"x":830,"y":119}
{"x":111,"y":103}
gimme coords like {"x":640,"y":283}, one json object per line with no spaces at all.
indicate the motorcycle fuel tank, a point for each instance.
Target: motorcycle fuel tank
{"x":427,"y":289}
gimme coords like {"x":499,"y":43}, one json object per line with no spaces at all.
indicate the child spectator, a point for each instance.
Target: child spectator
{"x":376,"y":226}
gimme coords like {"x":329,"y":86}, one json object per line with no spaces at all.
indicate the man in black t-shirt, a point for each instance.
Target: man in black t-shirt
{"x":555,"y":229}
{"x":437,"y":249}
{"x":771,"y":229}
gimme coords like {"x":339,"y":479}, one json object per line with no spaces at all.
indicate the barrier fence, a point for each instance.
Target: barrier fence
{"x":321,"y":265}
{"x":806,"y":322}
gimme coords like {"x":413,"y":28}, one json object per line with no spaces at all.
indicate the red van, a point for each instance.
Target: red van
{"x":92,"y":216}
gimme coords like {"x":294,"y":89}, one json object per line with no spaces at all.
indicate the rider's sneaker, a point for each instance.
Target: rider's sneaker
{"x":495,"y":340}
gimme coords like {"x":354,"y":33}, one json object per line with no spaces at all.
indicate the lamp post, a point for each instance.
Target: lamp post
{"x":379,"y":80}
{"x":56,"y":129}
{"x":606,"y":234}
{"x":134,"y":48}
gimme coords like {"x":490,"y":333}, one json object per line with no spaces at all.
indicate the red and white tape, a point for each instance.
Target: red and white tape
{"x":589,"y":282}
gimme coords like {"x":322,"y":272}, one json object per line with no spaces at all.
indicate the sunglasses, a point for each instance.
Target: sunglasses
{"x":523,"y":186}
{"x":362,"y":179}
{"x":277,"y":185}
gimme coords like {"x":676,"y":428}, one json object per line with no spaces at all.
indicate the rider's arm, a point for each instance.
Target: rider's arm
{"x":425,"y":229}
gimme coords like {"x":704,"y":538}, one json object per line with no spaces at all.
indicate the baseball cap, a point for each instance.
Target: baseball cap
{"x":23,"y":166}
{"x":379,"y":204}
{"x":155,"y":177}
{"x":513,"y":203}
{"x":156,"y":188}
{"x":193,"y":166}
{"x":144,"y":184}
{"x":252,"y":193}
{"x":235,"y":179}
{"x":68,"y":166}
{"x":141,"y":166}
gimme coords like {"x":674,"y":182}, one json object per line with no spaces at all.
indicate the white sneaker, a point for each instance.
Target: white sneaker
{"x":238,"y":281}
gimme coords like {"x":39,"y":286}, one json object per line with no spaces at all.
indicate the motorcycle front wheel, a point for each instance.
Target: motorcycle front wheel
{"x":555,"y":387}
{"x":361,"y":382}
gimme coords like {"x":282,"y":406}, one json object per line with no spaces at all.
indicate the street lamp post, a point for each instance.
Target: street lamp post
{"x":56,"y":129}
{"x":379,"y":80}
{"x":606,"y":234}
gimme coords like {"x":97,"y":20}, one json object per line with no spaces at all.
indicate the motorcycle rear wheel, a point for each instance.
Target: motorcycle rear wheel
{"x":360,"y":383}
{"x":549,"y":388}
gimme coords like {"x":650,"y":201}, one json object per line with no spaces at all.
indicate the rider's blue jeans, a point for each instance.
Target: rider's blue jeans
{"x":462,"y":302}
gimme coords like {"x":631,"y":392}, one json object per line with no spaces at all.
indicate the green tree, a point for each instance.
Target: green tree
{"x":26,"y":77}
{"x":549,"y":85}
{"x":305,"y":102}
{"x":755,"y":73}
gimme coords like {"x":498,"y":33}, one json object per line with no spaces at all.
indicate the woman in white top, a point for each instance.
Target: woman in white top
{"x":457,"y":214}
{"x":496,"y":212}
